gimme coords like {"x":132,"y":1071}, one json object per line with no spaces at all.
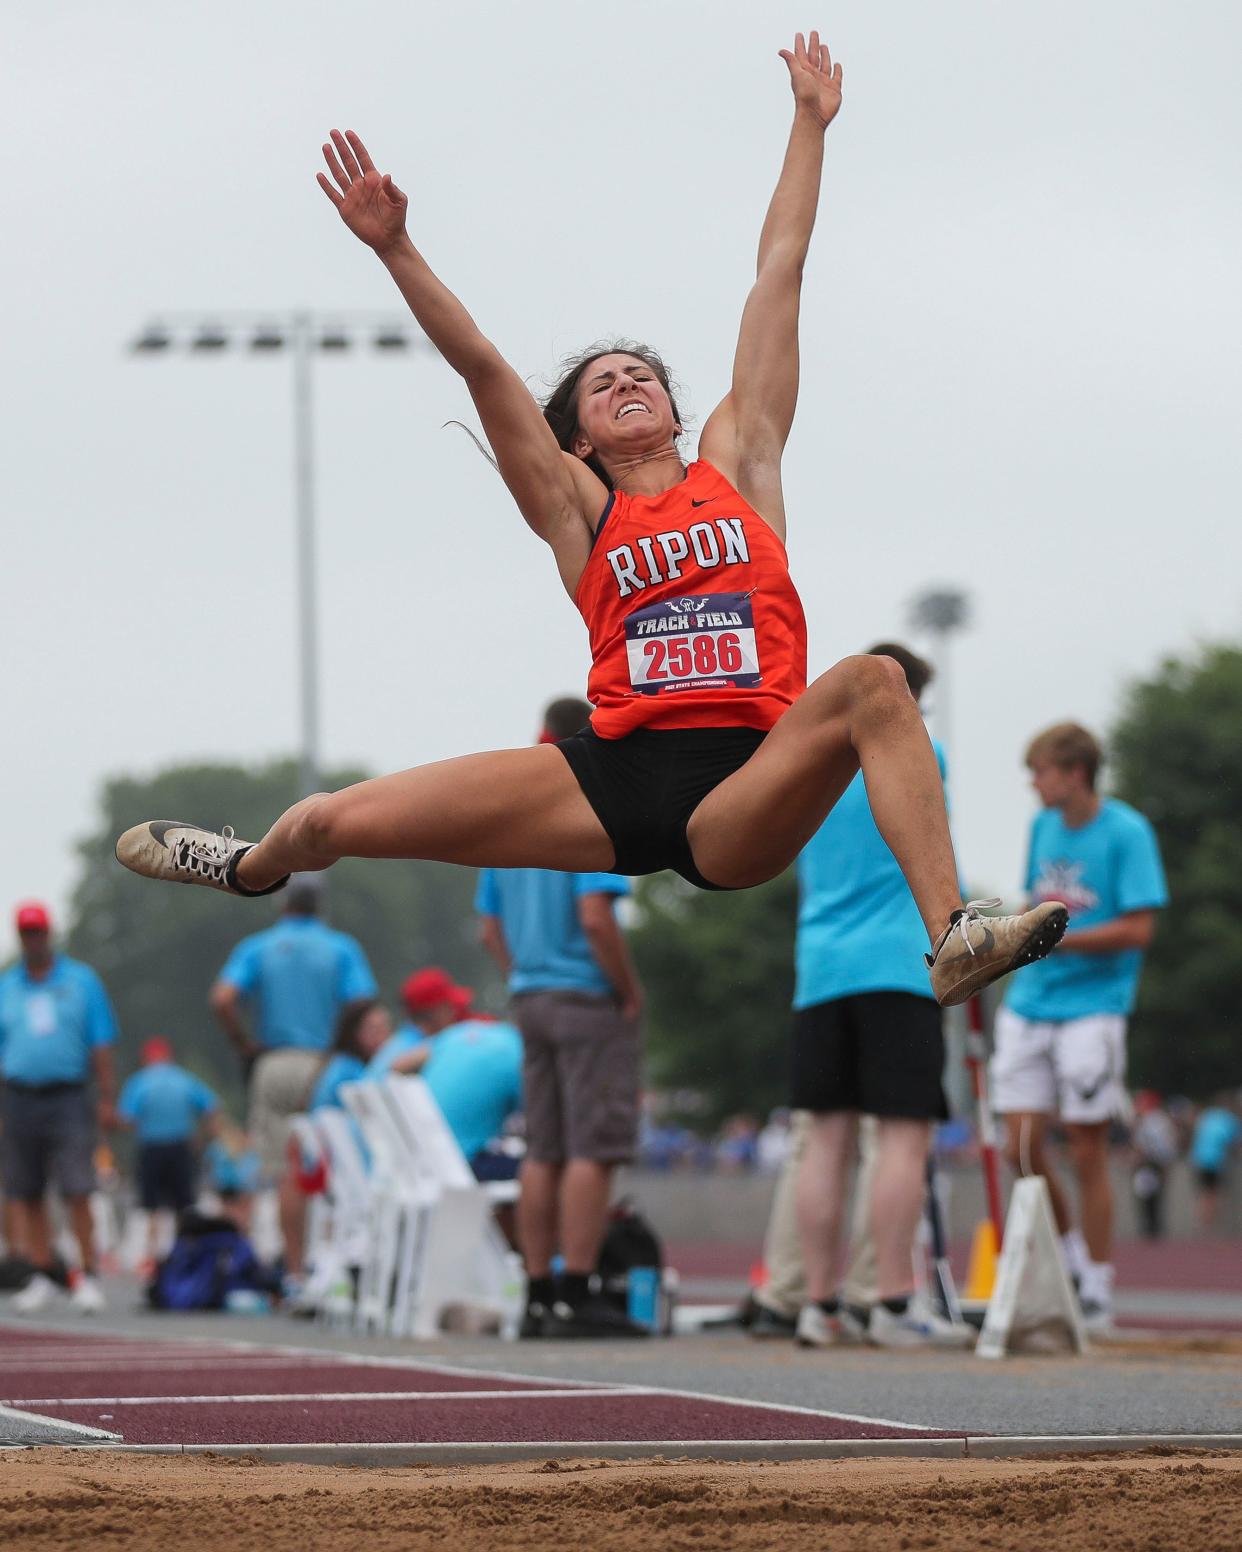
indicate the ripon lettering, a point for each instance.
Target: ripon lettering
{"x":658,"y":557}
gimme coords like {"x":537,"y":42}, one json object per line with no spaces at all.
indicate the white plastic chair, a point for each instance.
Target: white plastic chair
{"x":399,"y":1201}
{"x":465,"y":1256}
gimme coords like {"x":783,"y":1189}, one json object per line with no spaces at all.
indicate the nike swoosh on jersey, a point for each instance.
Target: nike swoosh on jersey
{"x":702,"y":503}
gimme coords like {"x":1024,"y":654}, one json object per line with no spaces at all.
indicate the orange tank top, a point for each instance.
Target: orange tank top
{"x":693,"y":618}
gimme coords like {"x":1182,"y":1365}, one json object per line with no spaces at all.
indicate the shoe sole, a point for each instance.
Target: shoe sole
{"x":1038,"y":945}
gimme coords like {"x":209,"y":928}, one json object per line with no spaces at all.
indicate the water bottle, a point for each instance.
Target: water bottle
{"x":642,"y":1296}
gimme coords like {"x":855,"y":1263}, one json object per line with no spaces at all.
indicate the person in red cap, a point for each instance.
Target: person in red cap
{"x":433,"y":1001}
{"x":166,"y":1107}
{"x":57,"y":1030}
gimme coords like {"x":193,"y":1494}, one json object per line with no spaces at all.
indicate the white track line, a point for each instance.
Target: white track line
{"x":341,"y":1395}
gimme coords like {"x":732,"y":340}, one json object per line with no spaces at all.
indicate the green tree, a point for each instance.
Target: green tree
{"x":718,"y":970}
{"x":1177,"y":753}
{"x":159,"y":949}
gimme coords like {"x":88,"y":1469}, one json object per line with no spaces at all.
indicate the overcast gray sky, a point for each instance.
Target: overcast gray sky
{"x":1021,"y":359}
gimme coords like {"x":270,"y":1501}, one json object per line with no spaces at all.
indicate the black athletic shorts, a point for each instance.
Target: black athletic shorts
{"x":880,"y":1053}
{"x":166,"y":1176}
{"x":645,"y":786}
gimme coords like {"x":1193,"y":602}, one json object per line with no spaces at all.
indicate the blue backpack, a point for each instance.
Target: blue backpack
{"x":209,"y":1259}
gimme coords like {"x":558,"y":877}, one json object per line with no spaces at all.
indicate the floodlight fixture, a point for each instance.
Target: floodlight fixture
{"x":391,"y":337}
{"x":267,"y":337}
{"x":154,"y":337}
{"x":210,"y":337}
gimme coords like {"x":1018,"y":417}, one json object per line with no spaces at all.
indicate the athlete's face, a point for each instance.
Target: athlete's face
{"x":623,"y":409}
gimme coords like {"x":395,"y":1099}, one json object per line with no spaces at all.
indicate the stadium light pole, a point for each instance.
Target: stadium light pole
{"x":940,"y":611}
{"x":304,"y":334}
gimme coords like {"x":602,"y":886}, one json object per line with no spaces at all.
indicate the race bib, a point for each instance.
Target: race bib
{"x":700,"y":643}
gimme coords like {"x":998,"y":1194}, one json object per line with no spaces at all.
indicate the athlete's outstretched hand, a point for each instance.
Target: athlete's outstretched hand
{"x":371,"y":206}
{"x":816,"y":81}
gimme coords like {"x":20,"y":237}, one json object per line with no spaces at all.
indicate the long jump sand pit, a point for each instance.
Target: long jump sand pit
{"x":1134,"y":1503}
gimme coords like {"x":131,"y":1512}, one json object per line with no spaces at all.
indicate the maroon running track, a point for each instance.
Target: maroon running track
{"x":202,"y":1393}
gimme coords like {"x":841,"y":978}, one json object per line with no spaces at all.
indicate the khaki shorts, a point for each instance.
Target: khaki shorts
{"x":280,"y":1088}
{"x":580,"y":1077}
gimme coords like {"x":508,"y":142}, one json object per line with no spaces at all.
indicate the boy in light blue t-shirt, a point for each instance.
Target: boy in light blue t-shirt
{"x":1061,"y":1034}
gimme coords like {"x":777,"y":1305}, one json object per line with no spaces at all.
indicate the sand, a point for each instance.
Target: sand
{"x":51,"y":1499}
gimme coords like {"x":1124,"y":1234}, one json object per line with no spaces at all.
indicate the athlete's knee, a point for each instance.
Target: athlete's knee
{"x":317,"y":826}
{"x":875,"y":677}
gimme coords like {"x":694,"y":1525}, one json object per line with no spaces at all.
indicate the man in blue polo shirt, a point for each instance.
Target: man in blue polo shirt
{"x":576,"y":1000}
{"x":166,"y":1106}
{"x":867,"y":1041}
{"x":1061,"y":1035}
{"x":57,"y":1030}
{"x":293,"y":980}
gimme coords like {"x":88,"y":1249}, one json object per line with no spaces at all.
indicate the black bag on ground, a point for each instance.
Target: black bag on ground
{"x":629,"y":1242}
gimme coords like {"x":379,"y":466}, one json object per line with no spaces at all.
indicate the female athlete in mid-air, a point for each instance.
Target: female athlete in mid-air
{"x":707,"y":752}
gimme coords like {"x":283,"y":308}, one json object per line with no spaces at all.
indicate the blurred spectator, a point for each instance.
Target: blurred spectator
{"x":433,"y":1001}
{"x":737,"y":1146}
{"x":474,"y":1073}
{"x":577,"y":1000}
{"x":867,"y":1041}
{"x":293,"y":980}
{"x":1060,"y":1035}
{"x":1215,"y":1137}
{"x":57,"y":1030}
{"x":363,"y":1029}
{"x":234,"y":1171}
{"x":165,"y":1106}
{"x":1154,"y":1144}
{"x":775,"y":1141}
{"x":773,"y":1308}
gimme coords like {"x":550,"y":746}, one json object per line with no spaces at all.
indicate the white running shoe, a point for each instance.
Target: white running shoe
{"x":974,"y":950}
{"x":1097,"y":1316}
{"x":187,"y":854}
{"x":817,"y":1328}
{"x":38,"y":1293}
{"x":87,"y":1296}
{"x":918,"y":1326}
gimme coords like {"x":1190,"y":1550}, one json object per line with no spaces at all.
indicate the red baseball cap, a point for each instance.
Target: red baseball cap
{"x":157,"y":1049}
{"x":33,"y":917}
{"x":427,"y":988}
{"x":461,"y":998}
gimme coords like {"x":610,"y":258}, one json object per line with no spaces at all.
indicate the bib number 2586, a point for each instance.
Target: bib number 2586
{"x":692,"y":644}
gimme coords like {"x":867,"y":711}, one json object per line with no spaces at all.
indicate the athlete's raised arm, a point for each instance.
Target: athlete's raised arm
{"x":746,"y":434}
{"x":544,"y":481}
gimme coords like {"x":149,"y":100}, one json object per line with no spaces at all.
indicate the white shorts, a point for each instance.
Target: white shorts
{"x":1074,"y":1068}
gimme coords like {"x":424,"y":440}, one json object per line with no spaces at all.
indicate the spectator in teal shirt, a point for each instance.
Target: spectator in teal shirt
{"x":1216,"y":1135}
{"x":57,"y":1031}
{"x":165,"y":1105}
{"x":293,"y":979}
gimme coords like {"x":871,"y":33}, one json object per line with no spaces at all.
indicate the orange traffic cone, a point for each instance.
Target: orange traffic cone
{"x":981,"y":1273}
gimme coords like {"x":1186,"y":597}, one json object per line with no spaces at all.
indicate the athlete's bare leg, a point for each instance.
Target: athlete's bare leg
{"x":515,"y":808}
{"x":860,"y":713}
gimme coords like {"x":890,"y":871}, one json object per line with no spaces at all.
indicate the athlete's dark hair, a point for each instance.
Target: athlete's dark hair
{"x":560,"y":408}
{"x":918,"y":671}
